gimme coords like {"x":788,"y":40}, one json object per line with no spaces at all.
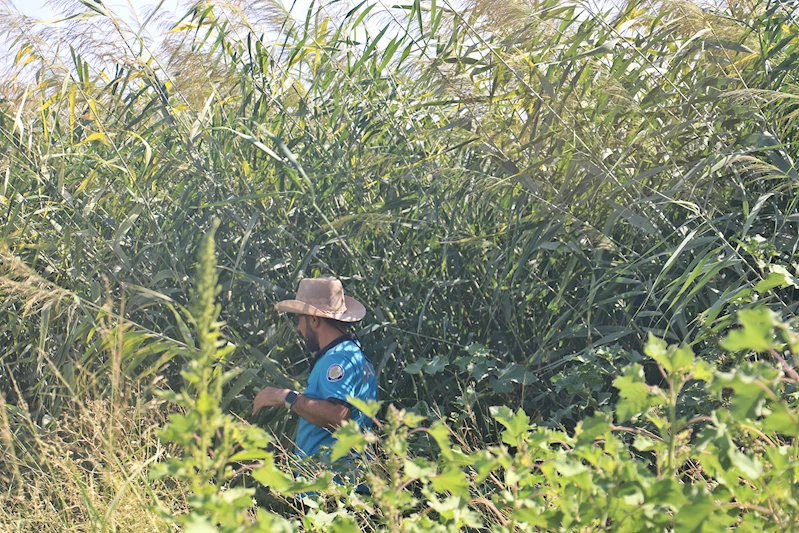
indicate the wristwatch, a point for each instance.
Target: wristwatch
{"x":290,"y":398}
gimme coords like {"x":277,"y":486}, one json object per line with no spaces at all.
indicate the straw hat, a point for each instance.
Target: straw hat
{"x":323,"y":297}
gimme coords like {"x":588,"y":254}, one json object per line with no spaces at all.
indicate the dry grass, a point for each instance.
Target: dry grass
{"x":86,"y":470}
{"x":21,"y":282}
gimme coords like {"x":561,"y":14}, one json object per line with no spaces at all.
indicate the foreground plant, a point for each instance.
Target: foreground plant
{"x":652,"y":463}
{"x":211,"y":442}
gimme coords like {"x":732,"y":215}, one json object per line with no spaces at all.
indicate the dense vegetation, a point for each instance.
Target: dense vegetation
{"x":527,"y":196}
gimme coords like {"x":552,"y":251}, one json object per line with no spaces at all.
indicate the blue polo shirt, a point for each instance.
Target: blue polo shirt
{"x":339,"y":370}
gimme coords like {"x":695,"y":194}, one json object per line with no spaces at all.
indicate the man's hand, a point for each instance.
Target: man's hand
{"x":269,"y":397}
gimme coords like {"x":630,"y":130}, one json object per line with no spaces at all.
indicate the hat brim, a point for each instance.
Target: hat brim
{"x":355,"y":310}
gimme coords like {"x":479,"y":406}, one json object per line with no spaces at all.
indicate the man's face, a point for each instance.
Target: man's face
{"x":304,"y":326}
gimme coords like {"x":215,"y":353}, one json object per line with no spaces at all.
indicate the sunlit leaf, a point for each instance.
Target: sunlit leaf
{"x":756,"y":331}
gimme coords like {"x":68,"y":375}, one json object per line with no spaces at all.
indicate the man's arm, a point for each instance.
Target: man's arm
{"x":322,"y":413}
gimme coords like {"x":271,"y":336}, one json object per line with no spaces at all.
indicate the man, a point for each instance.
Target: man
{"x":339,"y":368}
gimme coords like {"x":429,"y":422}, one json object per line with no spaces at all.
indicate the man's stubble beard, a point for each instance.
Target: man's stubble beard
{"x":312,"y":341}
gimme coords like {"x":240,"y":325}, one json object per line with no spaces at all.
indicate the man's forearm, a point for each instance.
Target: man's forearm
{"x":322,"y":413}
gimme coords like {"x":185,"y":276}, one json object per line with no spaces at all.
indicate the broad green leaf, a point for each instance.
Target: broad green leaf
{"x":451,"y":480}
{"x":690,"y":518}
{"x":415,"y":367}
{"x":778,"y":456}
{"x":703,"y":371}
{"x":665,"y":491}
{"x":631,"y":494}
{"x":477,"y":350}
{"x":419,"y":469}
{"x":436,"y":365}
{"x":729,"y":456}
{"x":782,"y":420}
{"x":249,"y":455}
{"x":511,"y":375}
{"x":269,"y":522}
{"x":344,"y":524}
{"x":516,"y":424}
{"x":643,"y":443}
{"x":778,"y":277}
{"x":206,"y":405}
{"x":455,"y":510}
{"x":272,"y":477}
{"x":238,"y":497}
{"x":589,"y":429}
{"x":756,"y":333}
{"x":483,"y":462}
{"x":412,"y":419}
{"x":322,"y":482}
{"x":181,"y":428}
{"x":199,"y":524}
{"x":682,"y":359}
{"x":748,"y":465}
{"x":369,"y":408}
{"x":634,"y":393}
{"x":348,"y":437}
{"x":657,"y":349}
{"x":440,"y":433}
{"x":671,"y":358}
{"x":749,"y":383}
{"x":569,"y":467}
{"x":531,"y":517}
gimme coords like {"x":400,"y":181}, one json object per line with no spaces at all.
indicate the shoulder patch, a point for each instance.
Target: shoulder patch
{"x":335,"y":373}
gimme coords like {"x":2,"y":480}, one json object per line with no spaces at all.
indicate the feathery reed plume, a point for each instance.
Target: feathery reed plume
{"x":22,"y":283}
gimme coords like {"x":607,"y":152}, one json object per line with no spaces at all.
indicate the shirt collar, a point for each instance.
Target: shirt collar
{"x":344,"y":338}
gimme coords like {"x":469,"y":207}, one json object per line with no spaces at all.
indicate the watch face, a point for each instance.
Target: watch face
{"x":291,"y":397}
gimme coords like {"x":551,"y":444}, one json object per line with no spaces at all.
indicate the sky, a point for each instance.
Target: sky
{"x":135,"y":12}
{"x":43,"y":10}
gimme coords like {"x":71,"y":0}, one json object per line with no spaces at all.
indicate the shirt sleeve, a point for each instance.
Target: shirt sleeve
{"x":339,"y":378}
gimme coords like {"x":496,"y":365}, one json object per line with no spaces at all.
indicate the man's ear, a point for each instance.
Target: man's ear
{"x":315,"y":321}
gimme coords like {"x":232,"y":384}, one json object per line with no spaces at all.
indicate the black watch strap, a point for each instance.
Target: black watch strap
{"x":291,"y":397}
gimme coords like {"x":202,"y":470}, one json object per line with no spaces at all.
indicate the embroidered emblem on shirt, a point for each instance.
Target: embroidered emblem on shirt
{"x":335,"y":373}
